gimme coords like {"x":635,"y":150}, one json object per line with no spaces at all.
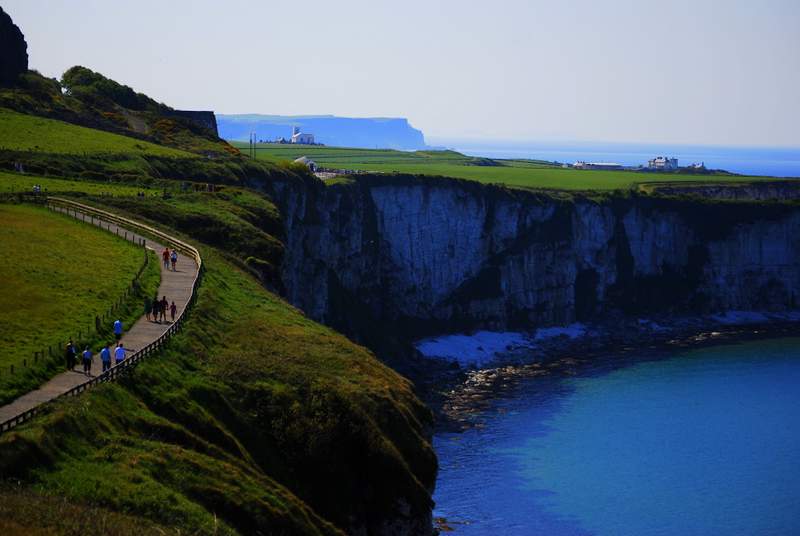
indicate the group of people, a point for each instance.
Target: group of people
{"x":169,"y":256}
{"x":87,"y":356}
{"x":155,"y":310}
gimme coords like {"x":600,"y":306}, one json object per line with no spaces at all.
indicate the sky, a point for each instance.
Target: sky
{"x":654,"y":71}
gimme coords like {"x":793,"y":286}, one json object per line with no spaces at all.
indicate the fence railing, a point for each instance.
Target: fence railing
{"x":131,"y":362}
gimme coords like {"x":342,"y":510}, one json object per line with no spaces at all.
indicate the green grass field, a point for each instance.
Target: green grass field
{"x":21,"y":132}
{"x":18,"y":183}
{"x":515,"y":173}
{"x":58,"y":275}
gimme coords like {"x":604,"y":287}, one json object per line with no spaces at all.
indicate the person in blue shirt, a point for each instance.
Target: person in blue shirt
{"x":105,"y":357}
{"x":87,"y":361}
{"x":119,"y":354}
{"x":118,"y":328}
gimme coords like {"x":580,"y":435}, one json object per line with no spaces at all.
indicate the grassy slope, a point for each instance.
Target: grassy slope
{"x":58,"y":275}
{"x":19,"y":183}
{"x":255,"y":418}
{"x":33,"y":514}
{"x":21,"y":132}
{"x":516,"y":173}
{"x":94,"y":106}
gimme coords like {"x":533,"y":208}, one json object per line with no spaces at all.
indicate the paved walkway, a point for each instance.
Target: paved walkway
{"x":176,"y":286}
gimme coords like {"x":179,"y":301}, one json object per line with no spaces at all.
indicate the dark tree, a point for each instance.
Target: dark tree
{"x":13,"y":50}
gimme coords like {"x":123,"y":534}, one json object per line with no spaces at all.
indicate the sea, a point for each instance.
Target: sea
{"x":697,"y":442}
{"x":775,"y":162}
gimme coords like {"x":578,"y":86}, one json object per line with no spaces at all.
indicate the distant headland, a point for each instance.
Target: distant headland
{"x":365,"y":132}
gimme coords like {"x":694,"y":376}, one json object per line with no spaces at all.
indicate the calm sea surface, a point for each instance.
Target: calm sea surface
{"x":777,"y":162}
{"x":706,"y":442}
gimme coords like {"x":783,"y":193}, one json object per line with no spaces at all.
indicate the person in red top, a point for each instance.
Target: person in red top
{"x":165,"y":257}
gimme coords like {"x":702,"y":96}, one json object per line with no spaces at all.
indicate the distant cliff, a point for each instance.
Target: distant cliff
{"x":383,"y":133}
{"x":434,"y":255}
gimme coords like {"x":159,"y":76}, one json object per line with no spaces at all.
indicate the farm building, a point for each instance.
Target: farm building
{"x":306,"y":161}
{"x":663,"y":162}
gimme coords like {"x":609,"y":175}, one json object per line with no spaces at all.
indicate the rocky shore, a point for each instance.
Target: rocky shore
{"x":459,"y":394}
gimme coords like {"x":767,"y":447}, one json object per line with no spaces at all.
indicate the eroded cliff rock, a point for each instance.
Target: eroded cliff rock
{"x":428,"y":255}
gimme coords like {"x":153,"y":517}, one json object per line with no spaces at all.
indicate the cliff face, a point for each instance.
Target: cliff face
{"x":422,"y":256}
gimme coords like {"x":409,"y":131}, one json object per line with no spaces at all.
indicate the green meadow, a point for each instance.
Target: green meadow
{"x":58,"y":275}
{"x":22,"y":132}
{"x":534,"y":174}
{"x":20,"y":183}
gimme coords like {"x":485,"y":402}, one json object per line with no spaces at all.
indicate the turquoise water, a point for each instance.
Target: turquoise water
{"x":706,"y":442}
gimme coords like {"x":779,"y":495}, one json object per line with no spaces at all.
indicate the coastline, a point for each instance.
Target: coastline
{"x":458,"y":395}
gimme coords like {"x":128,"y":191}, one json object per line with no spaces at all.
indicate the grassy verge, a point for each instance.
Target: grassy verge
{"x":59,"y":275}
{"x":19,"y":183}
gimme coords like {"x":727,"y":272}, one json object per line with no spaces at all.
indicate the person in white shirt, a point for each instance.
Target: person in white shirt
{"x":119,"y":354}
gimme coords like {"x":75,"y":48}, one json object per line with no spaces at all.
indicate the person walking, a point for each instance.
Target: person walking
{"x":165,"y":257}
{"x":105,"y":357}
{"x":119,"y":354}
{"x":70,"y":355}
{"x":174,"y":258}
{"x":172,"y":310}
{"x":148,"y":307}
{"x":163,"y":308}
{"x":87,"y":361}
{"x":118,"y":328}
{"x":156,"y":308}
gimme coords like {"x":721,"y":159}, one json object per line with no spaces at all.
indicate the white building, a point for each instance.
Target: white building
{"x":306,"y":161}
{"x":663,"y":162}
{"x":301,"y":138}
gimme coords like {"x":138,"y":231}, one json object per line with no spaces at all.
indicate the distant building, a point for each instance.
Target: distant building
{"x":663,"y":162}
{"x":597,"y":165}
{"x":301,"y":138}
{"x":306,"y":161}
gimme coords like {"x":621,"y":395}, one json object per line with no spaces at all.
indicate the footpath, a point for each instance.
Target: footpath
{"x":178,"y":286}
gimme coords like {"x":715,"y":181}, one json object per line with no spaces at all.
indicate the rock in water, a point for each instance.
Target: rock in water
{"x":13,"y":50}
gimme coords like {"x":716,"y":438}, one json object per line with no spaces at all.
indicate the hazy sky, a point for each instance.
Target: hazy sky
{"x":682,"y":71}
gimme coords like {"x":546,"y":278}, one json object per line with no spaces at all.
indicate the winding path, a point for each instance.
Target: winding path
{"x":143,"y":337}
